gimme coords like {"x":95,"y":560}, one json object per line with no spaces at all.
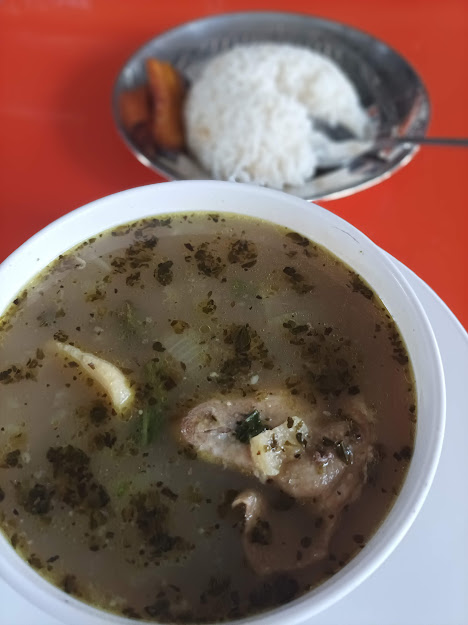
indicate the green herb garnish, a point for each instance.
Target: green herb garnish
{"x":123,"y":488}
{"x":250,"y":427}
{"x":163,"y":273}
{"x":151,"y":423}
{"x":242,"y":339}
{"x":298,"y":239}
{"x":129,"y":324}
{"x":153,"y":415}
{"x":359,"y":286}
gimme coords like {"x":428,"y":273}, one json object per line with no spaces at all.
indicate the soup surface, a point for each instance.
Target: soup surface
{"x":202,"y":416}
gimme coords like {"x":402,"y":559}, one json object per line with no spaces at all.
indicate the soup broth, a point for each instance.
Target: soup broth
{"x":133,"y":472}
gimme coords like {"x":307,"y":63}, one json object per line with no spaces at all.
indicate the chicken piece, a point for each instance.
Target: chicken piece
{"x":323,"y":474}
{"x":338,"y":451}
{"x":104,"y":373}
{"x":211,"y":428}
{"x":273,"y":543}
{"x":167,"y":89}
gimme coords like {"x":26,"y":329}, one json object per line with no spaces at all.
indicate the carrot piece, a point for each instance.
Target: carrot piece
{"x":167,"y":90}
{"x":134,"y":106}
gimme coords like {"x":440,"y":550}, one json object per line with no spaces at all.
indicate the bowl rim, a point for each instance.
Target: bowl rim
{"x":18,"y":574}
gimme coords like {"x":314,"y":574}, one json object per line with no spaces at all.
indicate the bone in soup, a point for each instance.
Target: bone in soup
{"x":202,"y":417}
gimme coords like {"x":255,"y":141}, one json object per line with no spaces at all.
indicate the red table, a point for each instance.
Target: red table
{"x":59,"y":148}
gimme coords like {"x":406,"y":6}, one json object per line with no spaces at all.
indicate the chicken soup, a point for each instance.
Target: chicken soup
{"x":202,"y":417}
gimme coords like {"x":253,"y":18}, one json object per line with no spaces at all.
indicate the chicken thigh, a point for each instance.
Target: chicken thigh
{"x":315,"y":456}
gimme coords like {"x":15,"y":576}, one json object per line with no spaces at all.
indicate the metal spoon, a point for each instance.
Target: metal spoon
{"x":346,"y":147}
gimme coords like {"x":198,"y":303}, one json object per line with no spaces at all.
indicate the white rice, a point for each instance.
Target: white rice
{"x":248,"y":116}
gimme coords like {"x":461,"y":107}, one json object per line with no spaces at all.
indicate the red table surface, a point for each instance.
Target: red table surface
{"x":59,"y":148}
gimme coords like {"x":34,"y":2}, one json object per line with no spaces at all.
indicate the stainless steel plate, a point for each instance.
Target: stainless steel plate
{"x":388,"y":87}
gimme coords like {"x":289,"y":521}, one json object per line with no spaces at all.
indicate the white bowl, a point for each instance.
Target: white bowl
{"x":348,"y":244}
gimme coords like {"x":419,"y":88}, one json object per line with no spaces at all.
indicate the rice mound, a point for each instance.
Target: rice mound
{"x":247,"y":117}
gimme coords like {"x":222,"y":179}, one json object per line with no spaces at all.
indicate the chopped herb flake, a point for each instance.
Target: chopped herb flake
{"x":250,"y":427}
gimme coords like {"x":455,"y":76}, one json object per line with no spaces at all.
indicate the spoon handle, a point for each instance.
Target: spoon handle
{"x":460,"y":142}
